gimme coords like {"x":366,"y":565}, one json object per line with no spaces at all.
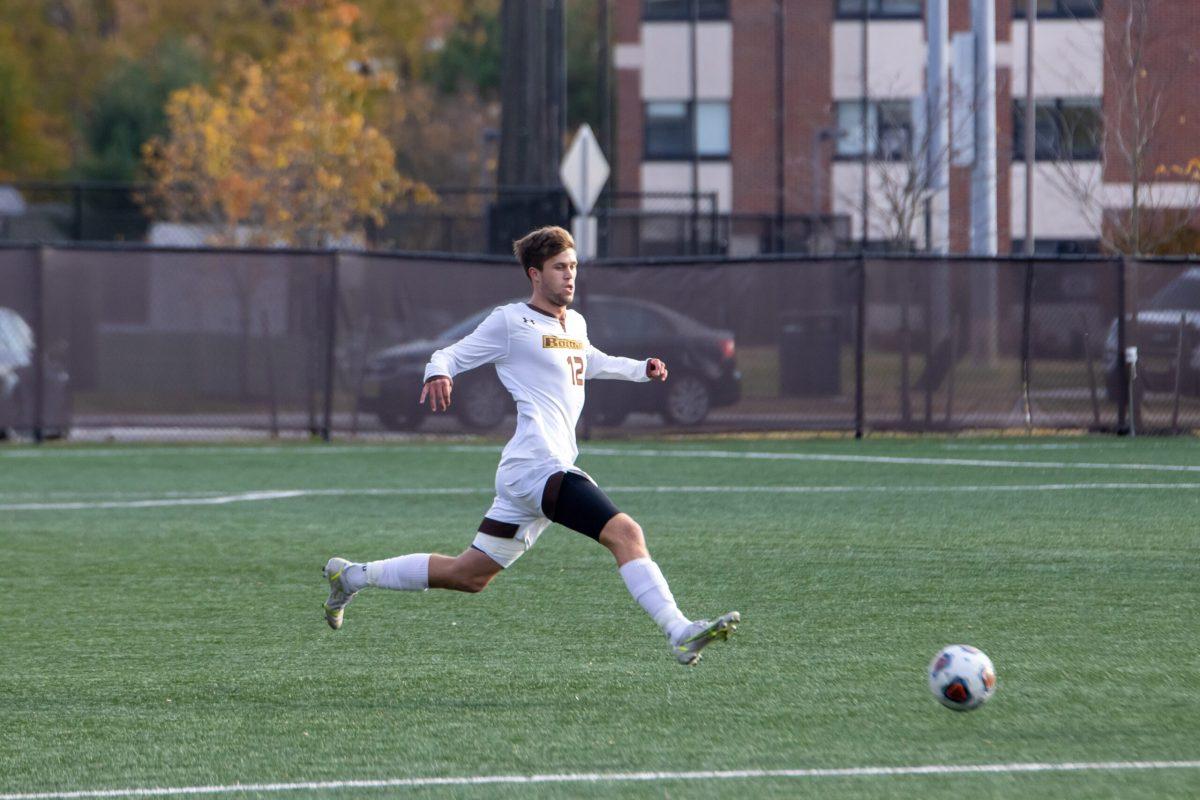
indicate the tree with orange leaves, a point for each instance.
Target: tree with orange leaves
{"x":283,"y":151}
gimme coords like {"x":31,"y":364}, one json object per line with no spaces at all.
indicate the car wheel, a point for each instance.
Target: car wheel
{"x":481,"y":404}
{"x":687,"y":400}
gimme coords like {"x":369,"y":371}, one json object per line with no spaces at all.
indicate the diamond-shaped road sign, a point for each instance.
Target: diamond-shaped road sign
{"x":584,"y":170}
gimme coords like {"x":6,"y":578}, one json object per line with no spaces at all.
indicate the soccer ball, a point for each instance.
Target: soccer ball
{"x":961,"y":677}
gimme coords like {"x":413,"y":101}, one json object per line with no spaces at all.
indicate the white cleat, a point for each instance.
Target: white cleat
{"x":701,"y":633}
{"x":339,"y":598}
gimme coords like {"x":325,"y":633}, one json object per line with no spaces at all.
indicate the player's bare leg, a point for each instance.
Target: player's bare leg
{"x":625,"y":540}
{"x":470,"y":571}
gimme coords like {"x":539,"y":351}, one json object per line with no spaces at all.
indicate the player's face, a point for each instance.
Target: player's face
{"x":556,"y":284}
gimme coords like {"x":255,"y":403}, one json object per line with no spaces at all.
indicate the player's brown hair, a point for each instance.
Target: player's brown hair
{"x":535,"y":248}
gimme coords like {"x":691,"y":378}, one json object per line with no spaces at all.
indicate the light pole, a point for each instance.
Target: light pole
{"x":1030,"y":122}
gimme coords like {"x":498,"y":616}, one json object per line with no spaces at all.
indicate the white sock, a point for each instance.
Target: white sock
{"x":404,"y":573}
{"x":648,"y":586}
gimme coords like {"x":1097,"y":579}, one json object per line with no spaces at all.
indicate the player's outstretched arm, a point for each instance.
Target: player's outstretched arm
{"x":602,"y":365}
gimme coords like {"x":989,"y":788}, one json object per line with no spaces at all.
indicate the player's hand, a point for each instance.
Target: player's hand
{"x":656,"y":369}
{"x":438,"y":391}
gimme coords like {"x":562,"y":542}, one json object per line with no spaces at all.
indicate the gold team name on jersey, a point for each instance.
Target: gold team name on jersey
{"x":560,"y":343}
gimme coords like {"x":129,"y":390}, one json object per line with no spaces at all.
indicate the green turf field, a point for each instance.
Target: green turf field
{"x":163,"y":621}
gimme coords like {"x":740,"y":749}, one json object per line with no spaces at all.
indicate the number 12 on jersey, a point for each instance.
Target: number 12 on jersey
{"x":575,"y":366}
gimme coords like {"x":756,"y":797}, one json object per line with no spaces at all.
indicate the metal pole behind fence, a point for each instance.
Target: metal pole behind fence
{"x":1178,"y":371}
{"x":39,"y":346}
{"x":1091,"y":370}
{"x":954,"y":323}
{"x":906,"y":354}
{"x":272,"y":388}
{"x":860,"y":325}
{"x":1123,"y":368}
{"x":1026,"y":318}
{"x":930,"y":356}
{"x":331,"y":305}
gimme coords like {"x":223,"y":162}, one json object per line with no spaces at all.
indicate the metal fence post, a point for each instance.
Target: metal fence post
{"x":39,"y":346}
{"x":331,"y":320}
{"x":1026,"y":321}
{"x":1122,"y":311}
{"x":860,"y":325}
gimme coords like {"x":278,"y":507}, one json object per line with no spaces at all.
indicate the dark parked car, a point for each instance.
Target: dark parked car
{"x":17,"y":395}
{"x":702,"y":362}
{"x":1157,"y":340}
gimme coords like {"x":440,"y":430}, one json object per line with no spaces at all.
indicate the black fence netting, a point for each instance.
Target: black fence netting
{"x":392,"y":314}
{"x":163,"y":343}
{"x":988,"y":344}
{"x":181,"y":343}
{"x":750,"y":345}
{"x":1163,"y":323}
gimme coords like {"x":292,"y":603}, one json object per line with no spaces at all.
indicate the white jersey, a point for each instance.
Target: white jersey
{"x":544,"y":367}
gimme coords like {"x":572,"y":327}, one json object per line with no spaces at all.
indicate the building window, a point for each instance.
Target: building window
{"x":1064,"y":129}
{"x":712,"y":129}
{"x":681,"y":130}
{"x":1061,"y":9}
{"x":889,"y":129}
{"x":661,"y":10}
{"x":880,"y":9}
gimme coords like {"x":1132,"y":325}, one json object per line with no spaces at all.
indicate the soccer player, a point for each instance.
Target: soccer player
{"x":543,"y":357}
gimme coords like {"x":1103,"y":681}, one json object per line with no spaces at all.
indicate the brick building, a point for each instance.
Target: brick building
{"x":761,"y":101}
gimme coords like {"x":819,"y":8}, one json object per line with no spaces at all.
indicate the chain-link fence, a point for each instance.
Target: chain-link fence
{"x":162,"y":343}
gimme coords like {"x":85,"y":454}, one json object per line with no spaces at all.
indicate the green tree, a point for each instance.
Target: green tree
{"x":469,"y":56}
{"x":128,"y":109}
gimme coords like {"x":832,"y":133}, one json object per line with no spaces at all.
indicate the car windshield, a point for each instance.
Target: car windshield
{"x":1181,"y":294}
{"x":16,"y":340}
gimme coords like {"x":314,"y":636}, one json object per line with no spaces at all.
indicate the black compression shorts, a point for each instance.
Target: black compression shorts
{"x":575,"y":502}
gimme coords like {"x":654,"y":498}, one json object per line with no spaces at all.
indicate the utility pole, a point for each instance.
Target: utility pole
{"x":983,"y":176}
{"x":864,"y":65}
{"x":984,"y":278}
{"x":533,"y":93}
{"x":1030,"y":122}
{"x":937,"y":138}
{"x":533,"y":118}
{"x":694,"y":83}
{"x":937,"y":166}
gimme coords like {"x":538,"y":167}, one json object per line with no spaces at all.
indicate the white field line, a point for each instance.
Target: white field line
{"x":605,"y":451}
{"x":1046,"y":446}
{"x":287,"y":494}
{"x":200,"y":450}
{"x":908,"y":461}
{"x":619,"y":777}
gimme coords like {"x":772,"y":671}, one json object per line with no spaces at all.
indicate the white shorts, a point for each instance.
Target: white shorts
{"x":518,"y":502}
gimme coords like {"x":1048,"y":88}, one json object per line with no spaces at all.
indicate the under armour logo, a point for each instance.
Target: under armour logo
{"x":528,"y":321}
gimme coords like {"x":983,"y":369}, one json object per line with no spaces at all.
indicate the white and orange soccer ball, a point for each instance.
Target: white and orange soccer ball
{"x":962,"y":677}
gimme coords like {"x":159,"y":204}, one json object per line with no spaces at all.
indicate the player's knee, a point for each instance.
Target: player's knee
{"x":623,"y":533}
